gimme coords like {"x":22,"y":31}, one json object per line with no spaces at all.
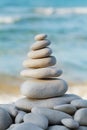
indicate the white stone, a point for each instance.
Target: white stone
{"x":67,"y":108}
{"x":5,"y":119}
{"x":42,"y":72}
{"x":27,"y":104}
{"x":42,"y":53}
{"x":70,"y":123}
{"x":40,"y":44}
{"x":26,"y":126}
{"x":57,"y":127}
{"x":40,"y":63}
{"x":37,"y":119}
{"x":79,"y":103}
{"x":54,"y":117}
{"x":81,"y":116}
{"x":39,"y":89}
{"x":40,"y":37}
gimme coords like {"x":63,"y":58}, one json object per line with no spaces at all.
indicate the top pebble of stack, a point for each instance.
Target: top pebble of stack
{"x":41,"y":42}
{"x":40,"y":37}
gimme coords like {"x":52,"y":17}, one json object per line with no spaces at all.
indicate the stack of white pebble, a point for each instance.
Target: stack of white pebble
{"x":45,"y":106}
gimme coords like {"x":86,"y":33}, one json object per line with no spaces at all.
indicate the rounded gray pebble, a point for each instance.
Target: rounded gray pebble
{"x":82,"y":128}
{"x":5,"y":119}
{"x":54,"y":117}
{"x":10,"y":108}
{"x":57,"y":127}
{"x":37,"y":119}
{"x":81,"y":116}
{"x":26,"y":126}
{"x":67,"y":108}
{"x":79,"y":103}
{"x":19,"y":117}
{"x":70,"y":123}
{"x":12,"y":126}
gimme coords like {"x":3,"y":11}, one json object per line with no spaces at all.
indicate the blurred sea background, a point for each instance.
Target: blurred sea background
{"x":65,"y":23}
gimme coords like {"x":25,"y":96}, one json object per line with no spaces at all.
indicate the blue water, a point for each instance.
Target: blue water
{"x":64,"y":21}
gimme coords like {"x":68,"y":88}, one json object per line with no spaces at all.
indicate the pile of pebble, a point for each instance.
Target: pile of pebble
{"x":45,"y":106}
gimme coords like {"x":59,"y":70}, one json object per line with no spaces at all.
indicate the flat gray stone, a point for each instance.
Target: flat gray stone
{"x":39,"y":89}
{"x":81,"y":116}
{"x":70,"y":123}
{"x":10,"y":108}
{"x":27,"y":104}
{"x":37,"y":119}
{"x":42,"y":53}
{"x":79,"y":103}
{"x":19,"y":117}
{"x":40,"y":63}
{"x":41,"y":73}
{"x":54,"y":117}
{"x":67,"y":108}
{"x":57,"y":127}
{"x":26,"y":126}
{"x":5,"y":119}
{"x":40,"y":37}
{"x":40,"y":44}
{"x":82,"y":128}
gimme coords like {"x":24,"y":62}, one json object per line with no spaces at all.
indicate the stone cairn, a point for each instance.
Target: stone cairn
{"x":45,"y":106}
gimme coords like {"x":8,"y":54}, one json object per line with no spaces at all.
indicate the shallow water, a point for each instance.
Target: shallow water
{"x":65,"y":22}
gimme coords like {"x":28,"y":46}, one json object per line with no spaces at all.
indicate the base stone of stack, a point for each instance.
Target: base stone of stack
{"x":39,"y":89}
{"x":27,"y":104}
